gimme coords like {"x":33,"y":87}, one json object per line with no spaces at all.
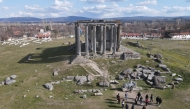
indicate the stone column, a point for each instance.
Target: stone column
{"x":94,"y":39}
{"x":86,"y":41}
{"x":78,"y":44}
{"x":101,"y":39}
{"x":76,"y":36}
{"x":119,"y":31}
{"x":115,"y":39}
{"x":111,"y":39}
{"x":89,"y":37}
{"x":104,"y":40}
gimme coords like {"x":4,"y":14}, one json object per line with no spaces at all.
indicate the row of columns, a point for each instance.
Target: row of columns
{"x":93,"y":37}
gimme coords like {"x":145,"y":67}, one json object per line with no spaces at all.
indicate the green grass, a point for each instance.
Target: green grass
{"x":53,"y":55}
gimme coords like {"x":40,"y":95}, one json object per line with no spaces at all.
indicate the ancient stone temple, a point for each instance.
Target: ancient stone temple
{"x":101,"y":36}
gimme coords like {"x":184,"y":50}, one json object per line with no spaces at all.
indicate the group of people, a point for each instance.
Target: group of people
{"x":139,"y":98}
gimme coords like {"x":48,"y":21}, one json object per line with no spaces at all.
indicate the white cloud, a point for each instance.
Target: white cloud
{"x":93,"y":1}
{"x":62,"y":5}
{"x":176,"y":11}
{"x":34,"y":8}
{"x":1,"y":1}
{"x":148,"y":2}
{"x":5,"y":8}
{"x":100,"y":1}
{"x":115,"y":10}
{"x":58,"y":9}
{"x":61,"y":8}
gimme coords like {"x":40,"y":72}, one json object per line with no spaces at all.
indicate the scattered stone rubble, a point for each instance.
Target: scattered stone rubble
{"x":127,"y":86}
{"x":9,"y":80}
{"x":80,"y":79}
{"x":104,"y":83}
{"x":48,"y":86}
{"x":55,"y":72}
{"x":150,"y":75}
{"x":97,"y":92}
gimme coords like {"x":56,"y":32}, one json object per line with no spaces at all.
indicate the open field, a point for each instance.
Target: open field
{"x":53,"y":55}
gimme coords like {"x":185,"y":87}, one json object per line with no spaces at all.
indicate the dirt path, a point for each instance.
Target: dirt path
{"x":131,"y":99}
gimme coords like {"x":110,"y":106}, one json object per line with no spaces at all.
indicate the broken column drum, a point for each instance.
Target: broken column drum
{"x":101,"y":36}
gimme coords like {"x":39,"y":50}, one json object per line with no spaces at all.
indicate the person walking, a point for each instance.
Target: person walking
{"x":146,"y":96}
{"x":144,"y":107}
{"x":146,"y":101}
{"x":151,"y":98}
{"x":123,"y":103}
{"x":136,"y":100}
{"x":133,"y":106}
{"x":117,"y":96}
{"x":131,"y":89}
{"x":126,"y":95}
{"x":157,"y":99}
{"x":119,"y":99}
{"x":160,"y":101}
{"x":141,"y":99}
{"x":126,"y":106}
{"x":138,"y":95}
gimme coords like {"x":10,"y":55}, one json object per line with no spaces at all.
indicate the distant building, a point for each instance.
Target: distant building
{"x":43,"y":34}
{"x":131,"y":36}
{"x":152,"y":35}
{"x":140,"y":35}
{"x":180,"y":36}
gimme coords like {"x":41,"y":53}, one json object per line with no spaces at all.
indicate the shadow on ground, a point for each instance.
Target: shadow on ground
{"x":49,"y":55}
{"x":112,"y":103}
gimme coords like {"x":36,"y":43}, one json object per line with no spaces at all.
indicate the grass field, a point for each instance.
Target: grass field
{"x":53,"y":55}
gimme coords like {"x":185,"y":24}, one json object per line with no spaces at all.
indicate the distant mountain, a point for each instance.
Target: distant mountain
{"x":139,"y":18}
{"x":20,"y":19}
{"x":76,"y":18}
{"x":32,"y":19}
{"x":67,"y":19}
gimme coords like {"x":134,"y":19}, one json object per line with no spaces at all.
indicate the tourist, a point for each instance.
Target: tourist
{"x":136,"y":100}
{"x":133,"y":106}
{"x":119,"y":100}
{"x":151,"y":98}
{"x":141,"y":99}
{"x":160,"y":101}
{"x":126,"y":95}
{"x":138,"y":95}
{"x":123,"y":103}
{"x":131,"y":89}
{"x":146,"y":101}
{"x":126,"y":106}
{"x":144,"y":107}
{"x":117,"y":96}
{"x":146,"y":97}
{"x":157,"y":99}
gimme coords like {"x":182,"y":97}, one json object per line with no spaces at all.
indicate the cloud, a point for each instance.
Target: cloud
{"x":62,"y":5}
{"x":115,"y":10}
{"x":100,"y":1}
{"x":148,"y":2}
{"x":34,"y":8}
{"x":176,"y":10}
{"x":93,"y":1}
{"x":1,"y":1}
{"x":57,"y":9}
{"x":5,"y":8}
{"x":61,"y":8}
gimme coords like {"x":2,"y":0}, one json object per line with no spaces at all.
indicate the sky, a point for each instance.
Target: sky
{"x":93,"y":8}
